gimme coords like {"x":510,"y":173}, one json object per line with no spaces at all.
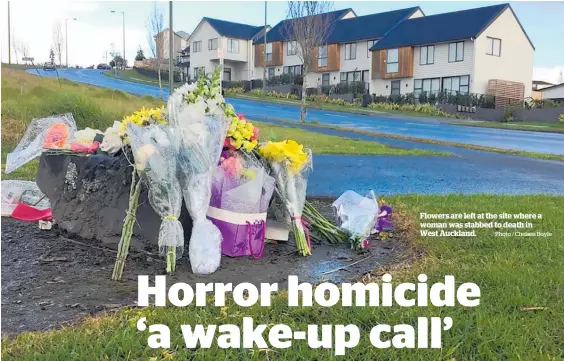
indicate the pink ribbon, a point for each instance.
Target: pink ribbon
{"x":306,"y":229}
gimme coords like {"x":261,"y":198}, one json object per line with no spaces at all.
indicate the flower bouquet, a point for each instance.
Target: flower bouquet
{"x":114,"y":139}
{"x":196,"y":113}
{"x":241,"y":193}
{"x":290,"y":165}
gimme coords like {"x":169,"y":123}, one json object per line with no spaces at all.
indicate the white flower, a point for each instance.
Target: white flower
{"x":142,"y":156}
{"x":86,"y":136}
{"x":112,"y":141}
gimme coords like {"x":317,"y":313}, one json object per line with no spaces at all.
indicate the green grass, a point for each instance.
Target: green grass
{"x":134,"y":76}
{"x":513,"y":273}
{"x":550,"y":127}
{"x":26,"y":97}
{"x":546,"y":156}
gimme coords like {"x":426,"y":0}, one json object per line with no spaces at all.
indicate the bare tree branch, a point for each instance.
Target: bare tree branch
{"x":156,"y":38}
{"x":58,"y":41}
{"x":15,"y":46}
{"x":308,"y":24}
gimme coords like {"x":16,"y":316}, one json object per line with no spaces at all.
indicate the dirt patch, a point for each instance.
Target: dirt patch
{"x":49,"y":280}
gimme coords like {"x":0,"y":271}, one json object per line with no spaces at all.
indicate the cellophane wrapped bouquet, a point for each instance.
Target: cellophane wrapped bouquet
{"x":197,"y":114}
{"x":291,"y":164}
{"x":155,"y":161}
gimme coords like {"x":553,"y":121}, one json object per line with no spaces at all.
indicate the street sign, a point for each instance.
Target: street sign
{"x":27,"y":59}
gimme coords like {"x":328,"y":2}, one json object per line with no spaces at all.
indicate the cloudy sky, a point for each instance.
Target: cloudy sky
{"x":96,"y":30}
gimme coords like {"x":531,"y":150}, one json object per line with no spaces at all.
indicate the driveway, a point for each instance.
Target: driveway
{"x":427,"y":128}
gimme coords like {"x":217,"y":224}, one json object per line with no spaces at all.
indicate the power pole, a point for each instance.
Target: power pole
{"x":264,"y":55}
{"x":9,"y":37}
{"x":170,"y":51}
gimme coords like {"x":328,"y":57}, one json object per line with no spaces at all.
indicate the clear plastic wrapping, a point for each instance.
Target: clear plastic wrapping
{"x":357,"y":215}
{"x":34,"y":139}
{"x":199,"y":132}
{"x":155,"y":161}
{"x":16,"y":191}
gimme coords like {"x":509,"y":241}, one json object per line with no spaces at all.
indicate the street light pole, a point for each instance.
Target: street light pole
{"x":170,"y":51}
{"x":123,"y":26}
{"x":67,"y":40}
{"x":9,"y":39}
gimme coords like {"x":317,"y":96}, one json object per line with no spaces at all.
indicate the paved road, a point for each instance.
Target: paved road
{"x":413,"y":127}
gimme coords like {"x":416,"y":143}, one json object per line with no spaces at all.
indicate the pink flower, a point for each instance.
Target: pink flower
{"x":240,"y":116}
{"x":232,"y":166}
{"x":255,"y":133}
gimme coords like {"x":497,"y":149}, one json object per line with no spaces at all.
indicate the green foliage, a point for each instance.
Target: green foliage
{"x":140,"y":56}
{"x":235,"y":90}
{"x":561,"y":118}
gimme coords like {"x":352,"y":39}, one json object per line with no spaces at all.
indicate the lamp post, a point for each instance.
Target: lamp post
{"x":67,"y":40}
{"x":123,"y":25}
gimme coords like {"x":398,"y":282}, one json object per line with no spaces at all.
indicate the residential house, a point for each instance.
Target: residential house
{"x":282,"y":55}
{"x":463,"y":51}
{"x":555,"y":92}
{"x":162,"y":42}
{"x":184,"y":63}
{"x":215,"y":41}
{"x":538,"y":85}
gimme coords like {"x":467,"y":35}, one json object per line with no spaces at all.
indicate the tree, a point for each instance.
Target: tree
{"x":308,"y":25}
{"x":156,"y":39}
{"x":140,"y":55}
{"x":25,"y":50}
{"x":52,"y":56}
{"x":58,"y":42}
{"x":15,"y":46}
{"x":560,"y":78}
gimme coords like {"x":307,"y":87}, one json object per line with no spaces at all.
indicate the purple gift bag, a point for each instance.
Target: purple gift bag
{"x":243,"y":233}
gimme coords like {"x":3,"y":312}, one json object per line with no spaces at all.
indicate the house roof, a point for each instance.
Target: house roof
{"x":541,"y":82}
{"x":183,"y":34}
{"x":234,"y":30}
{"x":458,"y":25}
{"x":552,"y":87}
{"x":278,"y":32}
{"x":373,"y":26}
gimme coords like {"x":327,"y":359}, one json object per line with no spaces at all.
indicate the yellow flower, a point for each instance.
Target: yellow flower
{"x":236,"y":143}
{"x":249,"y":173}
{"x":287,"y":151}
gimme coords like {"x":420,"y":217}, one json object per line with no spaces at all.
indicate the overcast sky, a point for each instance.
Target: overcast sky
{"x":97,"y":30}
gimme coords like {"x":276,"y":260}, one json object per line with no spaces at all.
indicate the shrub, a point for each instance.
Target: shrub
{"x":235,"y":90}
{"x":561,"y":118}
{"x":257,"y":92}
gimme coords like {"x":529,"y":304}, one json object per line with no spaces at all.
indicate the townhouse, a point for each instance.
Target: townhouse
{"x":395,"y":52}
{"x":463,"y":51}
{"x":217,"y":42}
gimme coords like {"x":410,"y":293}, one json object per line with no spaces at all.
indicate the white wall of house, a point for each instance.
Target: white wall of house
{"x":515,"y":62}
{"x":349,"y":15}
{"x":555,"y":92}
{"x":417,"y":14}
{"x":441,"y":67}
{"x":384,"y":86}
{"x":203,"y":58}
{"x":361,"y":61}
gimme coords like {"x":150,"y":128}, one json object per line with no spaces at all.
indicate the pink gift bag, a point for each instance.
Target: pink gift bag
{"x":243,"y":233}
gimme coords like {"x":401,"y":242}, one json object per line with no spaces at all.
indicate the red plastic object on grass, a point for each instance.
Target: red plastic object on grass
{"x":28,"y":213}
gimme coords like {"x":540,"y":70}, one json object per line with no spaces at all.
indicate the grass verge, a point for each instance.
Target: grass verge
{"x":514,"y":274}
{"x":26,"y":97}
{"x":548,"y":127}
{"x":133,"y":76}
{"x":545,"y":156}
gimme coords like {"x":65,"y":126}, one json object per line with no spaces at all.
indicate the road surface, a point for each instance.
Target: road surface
{"x":427,"y":128}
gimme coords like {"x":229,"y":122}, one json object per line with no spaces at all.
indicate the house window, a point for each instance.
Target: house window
{"x":270,"y":73}
{"x":212,"y":44}
{"x":456,"y":84}
{"x":427,"y":55}
{"x":350,"y":51}
{"x":295,"y":69}
{"x":292,"y":48}
{"x":494,"y":46}
{"x":268,"y":52}
{"x":322,"y":58}
{"x":232,"y":46}
{"x":370,"y":44}
{"x":392,"y":61}
{"x":197,"y":71}
{"x":325,"y":79}
{"x":352,"y":76}
{"x":365,"y":76}
{"x":432,"y":85}
{"x":227,"y":74}
{"x":197,"y":46}
{"x":396,"y":87}
{"x":456,"y":52}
